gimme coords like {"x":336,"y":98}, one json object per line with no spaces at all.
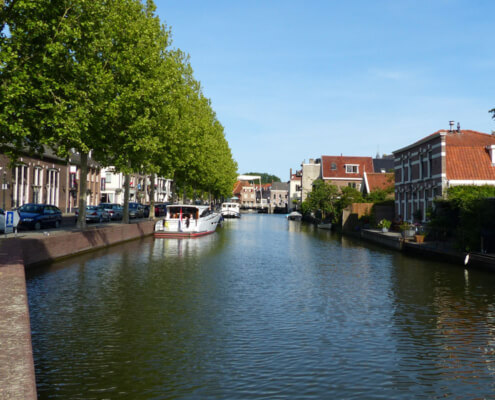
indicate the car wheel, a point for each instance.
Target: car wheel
{"x":37,"y":226}
{"x":57,"y":224}
{"x":100,"y":220}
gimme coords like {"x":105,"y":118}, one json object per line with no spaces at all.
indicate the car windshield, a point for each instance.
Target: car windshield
{"x":31,"y":208}
{"x":91,"y":207}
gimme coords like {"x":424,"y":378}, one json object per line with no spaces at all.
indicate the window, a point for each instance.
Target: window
{"x":333,"y":166}
{"x":351,"y":169}
{"x":352,"y":185}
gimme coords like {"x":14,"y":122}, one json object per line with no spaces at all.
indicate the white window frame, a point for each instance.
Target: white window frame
{"x":349,"y":168}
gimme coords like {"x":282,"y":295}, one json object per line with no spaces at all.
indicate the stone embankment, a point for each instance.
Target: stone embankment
{"x":431,"y":250}
{"x":17,"y":377}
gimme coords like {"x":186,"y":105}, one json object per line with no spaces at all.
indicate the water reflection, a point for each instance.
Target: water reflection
{"x":263,"y":308}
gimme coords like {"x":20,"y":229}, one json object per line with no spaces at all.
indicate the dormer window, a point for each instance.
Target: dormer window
{"x":333,"y":166}
{"x":352,"y":169}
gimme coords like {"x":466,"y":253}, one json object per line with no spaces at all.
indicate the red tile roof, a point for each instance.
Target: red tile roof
{"x":238,"y":187}
{"x":365,"y":164}
{"x":467,"y":157}
{"x":381,"y":181}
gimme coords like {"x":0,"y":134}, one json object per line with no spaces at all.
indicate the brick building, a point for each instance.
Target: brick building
{"x":426,"y":168}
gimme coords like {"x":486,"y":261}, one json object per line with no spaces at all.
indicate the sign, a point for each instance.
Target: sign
{"x":11,"y":220}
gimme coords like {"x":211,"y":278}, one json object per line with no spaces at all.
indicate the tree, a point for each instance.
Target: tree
{"x":322,"y":200}
{"x":265,"y":177}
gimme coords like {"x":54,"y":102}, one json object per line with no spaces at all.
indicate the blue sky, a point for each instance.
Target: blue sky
{"x":293,"y":80}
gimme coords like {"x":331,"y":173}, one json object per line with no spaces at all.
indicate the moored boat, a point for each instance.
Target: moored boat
{"x":327,"y":225}
{"x":231,"y":210}
{"x":294,"y":216}
{"x":183,"y":221}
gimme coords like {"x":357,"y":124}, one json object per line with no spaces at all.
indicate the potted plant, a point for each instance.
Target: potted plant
{"x":385,"y":224}
{"x":407,"y":230}
{"x":419,"y":234}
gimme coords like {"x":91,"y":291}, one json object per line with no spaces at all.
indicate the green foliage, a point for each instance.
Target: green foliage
{"x":385,"y":223}
{"x":378,"y":195}
{"x":265,"y":177}
{"x":322,"y":200}
{"x":99,"y":76}
{"x":465,"y":215}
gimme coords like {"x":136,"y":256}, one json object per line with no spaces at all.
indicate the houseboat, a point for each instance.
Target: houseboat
{"x":184,"y":221}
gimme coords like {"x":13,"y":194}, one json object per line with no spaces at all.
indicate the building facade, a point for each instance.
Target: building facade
{"x":279,"y":196}
{"x":343,"y":171}
{"x":34,"y":179}
{"x":309,"y":173}
{"x":295,"y":190}
{"x":425,"y":169}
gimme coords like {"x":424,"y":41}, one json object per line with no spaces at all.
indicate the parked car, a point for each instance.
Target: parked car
{"x":160,"y":210}
{"x":36,"y":216}
{"x":115,"y":210}
{"x":136,"y":210}
{"x":95,"y":214}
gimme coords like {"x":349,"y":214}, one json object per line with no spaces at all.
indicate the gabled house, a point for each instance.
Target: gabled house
{"x":344,"y":171}
{"x":425,"y":169}
{"x":279,"y":195}
{"x":377,"y":181}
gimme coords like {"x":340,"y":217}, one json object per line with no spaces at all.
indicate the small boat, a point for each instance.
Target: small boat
{"x":231,"y":210}
{"x":294,"y":216}
{"x":326,"y":225}
{"x":185,"y":221}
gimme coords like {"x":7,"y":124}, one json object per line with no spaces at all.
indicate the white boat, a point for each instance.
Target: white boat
{"x":231,"y":210}
{"x":187,"y":221}
{"x":294,"y":216}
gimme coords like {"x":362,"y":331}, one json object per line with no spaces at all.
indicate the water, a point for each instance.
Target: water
{"x":264,"y":308}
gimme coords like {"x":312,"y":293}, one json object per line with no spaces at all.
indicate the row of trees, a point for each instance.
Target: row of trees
{"x":100,"y":76}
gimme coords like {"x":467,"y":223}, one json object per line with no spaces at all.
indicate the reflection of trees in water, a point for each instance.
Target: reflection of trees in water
{"x":444,"y":322}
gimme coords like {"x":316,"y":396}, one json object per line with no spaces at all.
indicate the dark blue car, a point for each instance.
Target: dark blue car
{"x":36,"y":216}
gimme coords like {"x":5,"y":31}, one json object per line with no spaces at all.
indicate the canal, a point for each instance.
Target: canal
{"x":263,"y":308}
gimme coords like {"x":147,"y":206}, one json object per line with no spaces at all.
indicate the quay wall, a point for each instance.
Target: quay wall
{"x":37,"y":251}
{"x":389,"y":240}
{"x":17,"y":374}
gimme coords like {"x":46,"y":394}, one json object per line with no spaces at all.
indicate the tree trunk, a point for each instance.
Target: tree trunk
{"x":83,"y":185}
{"x":152,"y":196}
{"x":127,"y":180}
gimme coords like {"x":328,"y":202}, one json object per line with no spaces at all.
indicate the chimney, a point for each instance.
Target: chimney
{"x":451,"y":124}
{"x":458,"y":127}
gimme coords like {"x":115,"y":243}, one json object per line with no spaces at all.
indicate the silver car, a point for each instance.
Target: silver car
{"x":115,"y":210}
{"x":95,"y":214}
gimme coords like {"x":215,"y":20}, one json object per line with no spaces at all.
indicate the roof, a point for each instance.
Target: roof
{"x":280,"y":186}
{"x":384,"y":163}
{"x":467,"y":157}
{"x":456,"y":138}
{"x":469,"y":163}
{"x":238,"y":186}
{"x":376,"y":180}
{"x":365,"y":164}
{"x":295,"y":177}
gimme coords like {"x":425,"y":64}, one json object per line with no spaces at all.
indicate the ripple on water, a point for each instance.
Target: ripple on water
{"x":264,"y":308}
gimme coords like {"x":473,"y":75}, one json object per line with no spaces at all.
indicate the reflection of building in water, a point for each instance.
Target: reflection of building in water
{"x":465,"y":335}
